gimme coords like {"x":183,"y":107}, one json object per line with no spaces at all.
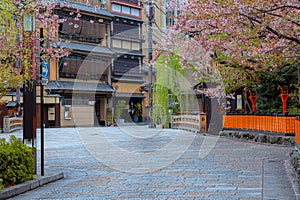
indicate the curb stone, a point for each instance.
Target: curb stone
{"x":278,"y":139}
{"x":29,"y":185}
{"x":293,"y":170}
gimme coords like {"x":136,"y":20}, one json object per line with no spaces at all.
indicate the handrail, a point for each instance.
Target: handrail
{"x":11,"y":124}
{"x":194,"y":123}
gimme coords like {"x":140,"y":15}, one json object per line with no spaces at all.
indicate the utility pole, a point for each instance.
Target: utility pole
{"x":298,"y":67}
{"x":41,"y":101}
{"x":150,"y":13}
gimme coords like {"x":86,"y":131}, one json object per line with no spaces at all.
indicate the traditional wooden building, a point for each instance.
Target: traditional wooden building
{"x":83,"y":78}
{"x":104,"y":65}
{"x":127,"y":67}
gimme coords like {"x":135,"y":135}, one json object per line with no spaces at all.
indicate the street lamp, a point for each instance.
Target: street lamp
{"x":29,"y":88}
{"x":252,"y":97}
{"x":284,"y":95}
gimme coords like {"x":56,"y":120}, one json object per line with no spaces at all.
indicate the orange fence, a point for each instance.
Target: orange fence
{"x":278,"y":124}
{"x":297,"y":131}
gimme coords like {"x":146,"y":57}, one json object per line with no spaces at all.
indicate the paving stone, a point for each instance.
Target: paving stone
{"x":233,"y":169}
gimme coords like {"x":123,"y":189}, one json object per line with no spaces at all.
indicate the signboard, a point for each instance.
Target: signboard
{"x":239,"y":102}
{"x":45,"y":73}
{"x":28,"y":22}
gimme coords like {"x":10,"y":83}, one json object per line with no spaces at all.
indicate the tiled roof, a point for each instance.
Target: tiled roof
{"x":127,"y":52}
{"x":87,"y":47}
{"x":129,"y":95}
{"x":128,"y":79}
{"x":86,"y":8}
{"x":127,"y":17}
{"x":12,"y":104}
{"x":79,"y":86}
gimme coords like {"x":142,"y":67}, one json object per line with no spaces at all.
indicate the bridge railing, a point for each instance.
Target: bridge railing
{"x":266,"y":123}
{"x":11,"y":124}
{"x":194,"y":123}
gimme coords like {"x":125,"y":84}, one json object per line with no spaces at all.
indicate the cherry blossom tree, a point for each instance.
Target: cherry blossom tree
{"x":243,"y":37}
{"x":19,"y":46}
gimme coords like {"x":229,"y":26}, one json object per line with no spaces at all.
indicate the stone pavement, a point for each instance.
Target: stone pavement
{"x":140,"y":163}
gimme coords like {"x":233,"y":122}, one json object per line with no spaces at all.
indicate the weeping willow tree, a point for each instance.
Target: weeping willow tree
{"x":167,"y":91}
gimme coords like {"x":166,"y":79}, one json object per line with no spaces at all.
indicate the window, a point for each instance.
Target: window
{"x":127,"y":30}
{"x":135,"y":46}
{"x":117,"y":43}
{"x":135,"y":12}
{"x":68,"y":112}
{"x":116,"y":7}
{"x":126,"y":65}
{"x":82,"y":30}
{"x":77,"y":67}
{"x":126,"y":45}
{"x":126,"y":10}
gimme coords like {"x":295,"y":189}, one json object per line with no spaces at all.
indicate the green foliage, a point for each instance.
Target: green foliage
{"x":269,"y":100}
{"x":9,"y":74}
{"x":119,"y":108}
{"x":1,"y":184}
{"x":16,"y":162}
{"x":166,"y":88}
{"x":18,"y":37}
{"x":137,"y":110}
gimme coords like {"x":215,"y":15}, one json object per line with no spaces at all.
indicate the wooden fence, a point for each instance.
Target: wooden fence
{"x":267,"y":123}
{"x":297,"y":131}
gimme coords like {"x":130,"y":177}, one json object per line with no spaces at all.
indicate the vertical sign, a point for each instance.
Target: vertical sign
{"x":45,"y":73}
{"x":239,"y":102}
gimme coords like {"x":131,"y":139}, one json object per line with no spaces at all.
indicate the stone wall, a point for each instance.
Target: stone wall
{"x":270,"y":138}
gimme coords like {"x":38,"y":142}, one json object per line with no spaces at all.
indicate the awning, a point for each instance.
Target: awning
{"x":128,"y":79}
{"x":78,"y":86}
{"x":128,"y":52}
{"x":86,"y":8}
{"x":129,"y":18}
{"x":87,"y":48}
{"x":128,"y":95}
{"x":11,"y":104}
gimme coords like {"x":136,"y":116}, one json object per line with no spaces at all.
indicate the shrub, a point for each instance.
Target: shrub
{"x":121,"y":104}
{"x":16,"y":162}
{"x":1,"y":184}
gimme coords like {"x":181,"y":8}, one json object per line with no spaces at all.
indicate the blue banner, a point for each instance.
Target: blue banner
{"x":45,"y":70}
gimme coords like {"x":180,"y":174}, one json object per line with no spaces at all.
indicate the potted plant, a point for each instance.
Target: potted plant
{"x":121,"y":104}
{"x":137,"y":111}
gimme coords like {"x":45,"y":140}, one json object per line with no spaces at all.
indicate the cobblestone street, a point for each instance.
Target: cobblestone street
{"x":137,"y":163}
